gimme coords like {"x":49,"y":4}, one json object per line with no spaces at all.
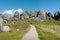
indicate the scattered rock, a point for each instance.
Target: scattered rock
{"x":17,"y":29}
{"x":16,"y":15}
{"x":42,"y":14}
{"x":5,"y":28}
{"x":57,"y":15}
{"x":1,"y":22}
{"x":5,"y":21}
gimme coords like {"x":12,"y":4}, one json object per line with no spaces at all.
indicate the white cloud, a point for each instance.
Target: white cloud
{"x":19,"y":10}
{"x":8,"y":11}
{"x":11,"y":12}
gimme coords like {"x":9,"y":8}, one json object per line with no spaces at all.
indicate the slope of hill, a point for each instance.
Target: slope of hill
{"x":23,"y":27}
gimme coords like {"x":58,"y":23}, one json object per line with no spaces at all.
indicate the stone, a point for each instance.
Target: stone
{"x":5,"y":16}
{"x":42,"y":14}
{"x":5,"y":21}
{"x":33,"y":14}
{"x":57,"y":15}
{"x":49,"y":16}
{"x":16,"y":15}
{"x":17,"y":29}
{"x":1,"y":22}
{"x":0,"y":14}
{"x":24,"y":16}
{"x":37,"y":18}
{"x":5,"y":28}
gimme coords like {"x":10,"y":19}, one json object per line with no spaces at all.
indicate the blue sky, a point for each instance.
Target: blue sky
{"x":30,"y":5}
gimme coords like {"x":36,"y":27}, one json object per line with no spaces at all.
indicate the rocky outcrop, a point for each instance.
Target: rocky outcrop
{"x":5,"y":28}
{"x":57,"y":15}
{"x":1,"y":22}
{"x":5,"y":17}
{"x":41,"y":15}
{"x":49,"y":16}
{"x":37,"y":15}
{"x":16,"y":16}
{"x":33,"y":14}
{"x":24,"y":15}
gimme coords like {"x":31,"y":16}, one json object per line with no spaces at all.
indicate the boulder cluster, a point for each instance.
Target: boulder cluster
{"x":37,"y":15}
{"x":4,"y":28}
{"x":40,"y":15}
{"x":57,"y":16}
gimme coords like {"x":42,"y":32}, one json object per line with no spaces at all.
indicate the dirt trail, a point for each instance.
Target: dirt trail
{"x":31,"y":34}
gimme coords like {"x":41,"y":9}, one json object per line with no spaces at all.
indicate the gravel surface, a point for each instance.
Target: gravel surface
{"x":31,"y":34}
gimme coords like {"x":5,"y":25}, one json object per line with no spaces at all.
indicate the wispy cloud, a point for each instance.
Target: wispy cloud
{"x":11,"y":12}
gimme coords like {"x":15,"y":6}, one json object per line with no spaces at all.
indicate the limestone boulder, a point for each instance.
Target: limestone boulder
{"x":57,"y":15}
{"x":5,"y":28}
{"x":16,"y":15}
{"x":1,"y":22}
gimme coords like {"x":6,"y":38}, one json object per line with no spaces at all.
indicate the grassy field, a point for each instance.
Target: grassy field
{"x":46,"y":35}
{"x":23,"y":27}
{"x":47,"y":30}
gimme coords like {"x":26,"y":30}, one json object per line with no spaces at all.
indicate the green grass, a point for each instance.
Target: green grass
{"x":12,"y":35}
{"x":46,"y":34}
{"x":23,"y":27}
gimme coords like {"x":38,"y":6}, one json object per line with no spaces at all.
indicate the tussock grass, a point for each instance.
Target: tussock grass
{"x":47,"y":30}
{"x":46,"y":35}
{"x":23,"y":27}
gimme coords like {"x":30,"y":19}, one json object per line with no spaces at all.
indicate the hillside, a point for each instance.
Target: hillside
{"x":47,"y":30}
{"x":23,"y":27}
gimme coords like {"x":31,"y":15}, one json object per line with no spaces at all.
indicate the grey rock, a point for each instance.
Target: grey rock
{"x":0,"y":14}
{"x":41,"y":15}
{"x":49,"y":16}
{"x":17,"y":30}
{"x":57,"y":15}
{"x":16,"y":15}
{"x":33,"y":14}
{"x":24,"y":16}
{"x":5,"y":21}
{"x":5,"y":16}
{"x":1,"y":22}
{"x":5,"y":28}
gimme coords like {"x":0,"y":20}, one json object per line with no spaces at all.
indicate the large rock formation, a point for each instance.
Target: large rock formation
{"x":25,"y":15}
{"x":1,"y":22}
{"x":49,"y":16}
{"x":0,"y":14}
{"x":41,"y":15}
{"x":5,"y":17}
{"x":57,"y":15}
{"x":33,"y":14}
{"x":16,"y":15}
{"x":5,"y":28}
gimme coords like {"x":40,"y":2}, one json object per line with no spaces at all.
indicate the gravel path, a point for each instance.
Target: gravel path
{"x":31,"y":34}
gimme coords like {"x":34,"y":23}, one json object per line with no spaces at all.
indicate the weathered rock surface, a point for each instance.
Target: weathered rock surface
{"x":1,"y":22}
{"x":49,"y":16}
{"x":24,"y":16}
{"x":5,"y":28}
{"x":16,"y":15}
{"x":57,"y":15}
